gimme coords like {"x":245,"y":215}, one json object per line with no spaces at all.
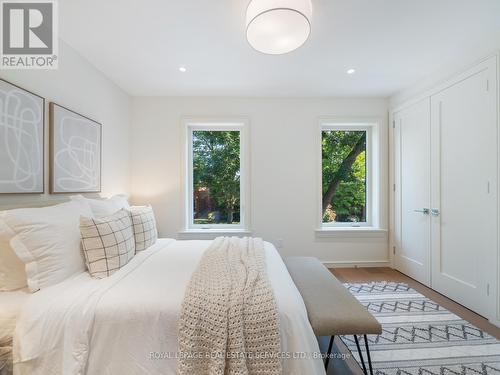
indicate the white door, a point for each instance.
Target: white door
{"x":412,"y":166}
{"x":464,"y":189}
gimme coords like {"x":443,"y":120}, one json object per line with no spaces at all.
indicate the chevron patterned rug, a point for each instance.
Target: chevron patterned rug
{"x":419,"y":337}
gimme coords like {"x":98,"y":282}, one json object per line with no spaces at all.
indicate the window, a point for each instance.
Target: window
{"x":216,"y":176}
{"x":345,"y":175}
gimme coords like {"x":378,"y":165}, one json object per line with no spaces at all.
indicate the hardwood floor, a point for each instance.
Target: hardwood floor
{"x":389,"y":274}
{"x":354,"y":275}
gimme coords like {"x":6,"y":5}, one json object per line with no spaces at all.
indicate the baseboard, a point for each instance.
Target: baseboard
{"x":355,"y":264}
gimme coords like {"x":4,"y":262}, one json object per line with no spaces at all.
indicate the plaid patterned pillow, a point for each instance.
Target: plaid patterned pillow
{"x":108,"y":243}
{"x":146,"y":234}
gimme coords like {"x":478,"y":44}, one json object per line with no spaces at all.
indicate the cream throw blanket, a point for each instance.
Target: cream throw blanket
{"x":229,"y":322}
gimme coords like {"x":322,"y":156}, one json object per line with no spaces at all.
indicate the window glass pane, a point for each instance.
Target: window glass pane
{"x":216,"y":177}
{"x":344,"y":176}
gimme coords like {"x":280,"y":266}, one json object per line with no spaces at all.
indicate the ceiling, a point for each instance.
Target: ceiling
{"x":392,"y":44}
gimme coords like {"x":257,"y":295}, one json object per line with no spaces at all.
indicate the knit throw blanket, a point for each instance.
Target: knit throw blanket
{"x":6,"y":356}
{"x":229,"y":322}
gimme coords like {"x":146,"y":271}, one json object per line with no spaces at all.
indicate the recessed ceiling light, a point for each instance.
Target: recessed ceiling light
{"x":182,"y":69}
{"x":351,"y":71}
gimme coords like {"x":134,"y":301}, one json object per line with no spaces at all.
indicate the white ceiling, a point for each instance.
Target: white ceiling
{"x":140,"y":44}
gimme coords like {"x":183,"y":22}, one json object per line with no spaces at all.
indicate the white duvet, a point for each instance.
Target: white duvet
{"x":127,"y":324}
{"x":10,"y":307}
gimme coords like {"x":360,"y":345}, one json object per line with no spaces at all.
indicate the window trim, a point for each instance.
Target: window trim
{"x":219,"y":124}
{"x":371,"y":126}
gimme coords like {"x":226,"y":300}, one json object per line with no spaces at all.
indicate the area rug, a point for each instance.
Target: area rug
{"x":420,"y":337}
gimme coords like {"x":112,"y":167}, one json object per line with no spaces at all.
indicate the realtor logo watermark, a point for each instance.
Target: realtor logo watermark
{"x":29,"y":34}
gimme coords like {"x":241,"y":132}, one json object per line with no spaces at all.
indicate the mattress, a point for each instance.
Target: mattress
{"x":127,"y":323}
{"x":10,"y":308}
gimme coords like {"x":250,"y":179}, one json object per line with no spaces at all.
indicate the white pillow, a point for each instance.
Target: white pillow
{"x":104,"y":207}
{"x":108,"y":243}
{"x":47,"y":240}
{"x":12,"y":274}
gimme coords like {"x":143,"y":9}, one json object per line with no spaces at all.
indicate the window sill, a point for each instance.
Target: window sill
{"x":351,"y":232}
{"x":210,"y":234}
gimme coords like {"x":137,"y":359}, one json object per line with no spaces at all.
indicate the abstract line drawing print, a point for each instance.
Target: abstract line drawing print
{"x":21,"y":140}
{"x":76,"y":152}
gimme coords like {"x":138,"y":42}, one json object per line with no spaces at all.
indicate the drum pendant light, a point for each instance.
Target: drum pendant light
{"x":278,"y":26}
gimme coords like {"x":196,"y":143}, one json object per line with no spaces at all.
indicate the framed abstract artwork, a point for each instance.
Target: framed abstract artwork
{"x":75,"y":152}
{"x":22,"y":126}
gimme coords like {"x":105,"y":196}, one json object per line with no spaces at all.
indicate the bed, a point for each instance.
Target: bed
{"x":127,"y":323}
{"x":10,"y":308}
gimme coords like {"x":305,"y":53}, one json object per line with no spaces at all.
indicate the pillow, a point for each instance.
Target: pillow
{"x":12,"y":273}
{"x":47,"y":240}
{"x":108,"y":243}
{"x":145,"y":232}
{"x":104,"y":207}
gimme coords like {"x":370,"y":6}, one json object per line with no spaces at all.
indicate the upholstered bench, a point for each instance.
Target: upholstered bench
{"x":331,"y":308}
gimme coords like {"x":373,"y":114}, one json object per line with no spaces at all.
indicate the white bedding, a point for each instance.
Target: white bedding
{"x":10,"y":308}
{"x":127,"y":323}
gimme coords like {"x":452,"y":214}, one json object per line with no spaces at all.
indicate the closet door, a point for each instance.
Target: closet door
{"x":464,"y":189}
{"x":412,"y":163}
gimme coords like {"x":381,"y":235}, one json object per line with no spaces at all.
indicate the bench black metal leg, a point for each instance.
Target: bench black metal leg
{"x":368,"y":355}
{"x":360,"y":355}
{"x":329,"y":352}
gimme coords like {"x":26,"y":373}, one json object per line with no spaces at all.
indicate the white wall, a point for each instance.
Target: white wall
{"x":282,"y":163}
{"x":449,"y":70}
{"x":79,"y":86}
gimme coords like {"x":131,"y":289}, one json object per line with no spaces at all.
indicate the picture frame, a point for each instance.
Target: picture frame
{"x":75,"y":152}
{"x":22,"y":139}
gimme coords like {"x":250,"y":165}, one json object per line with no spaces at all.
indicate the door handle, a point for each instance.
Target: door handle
{"x":424,"y":211}
{"x":435,"y":212}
